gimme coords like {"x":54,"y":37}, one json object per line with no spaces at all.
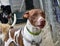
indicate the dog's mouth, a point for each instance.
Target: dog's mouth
{"x":41,"y":26}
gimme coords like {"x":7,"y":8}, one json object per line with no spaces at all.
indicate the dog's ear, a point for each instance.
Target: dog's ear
{"x":26,"y":15}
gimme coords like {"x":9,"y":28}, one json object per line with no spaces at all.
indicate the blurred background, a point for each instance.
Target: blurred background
{"x":51,"y":8}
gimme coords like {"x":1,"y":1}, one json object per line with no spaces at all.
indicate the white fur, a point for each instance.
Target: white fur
{"x":2,"y":36}
{"x":29,"y":36}
{"x":9,"y":40}
{"x":17,"y":33}
{"x":14,"y":20}
{"x":38,"y":20}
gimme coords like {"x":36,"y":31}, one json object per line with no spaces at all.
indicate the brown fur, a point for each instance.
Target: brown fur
{"x":29,"y":15}
{"x":6,"y":36}
{"x":4,"y":30}
{"x":33,"y":14}
{"x":20,"y":40}
{"x":12,"y":33}
{"x":11,"y":44}
{"x":4,"y":27}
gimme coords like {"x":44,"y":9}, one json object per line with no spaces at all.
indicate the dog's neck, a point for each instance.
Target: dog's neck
{"x":29,"y":36}
{"x":31,"y":27}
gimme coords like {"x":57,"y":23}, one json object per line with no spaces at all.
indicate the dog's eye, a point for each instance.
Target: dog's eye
{"x":34,"y":15}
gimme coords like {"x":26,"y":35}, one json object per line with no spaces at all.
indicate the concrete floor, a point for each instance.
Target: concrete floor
{"x":46,"y":35}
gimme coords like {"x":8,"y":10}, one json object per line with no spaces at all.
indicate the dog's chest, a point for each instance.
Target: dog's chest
{"x":32,"y":37}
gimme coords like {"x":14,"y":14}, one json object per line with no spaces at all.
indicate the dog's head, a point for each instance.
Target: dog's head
{"x":36,"y":17}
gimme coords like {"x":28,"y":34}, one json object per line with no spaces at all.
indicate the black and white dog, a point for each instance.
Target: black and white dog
{"x":6,"y":11}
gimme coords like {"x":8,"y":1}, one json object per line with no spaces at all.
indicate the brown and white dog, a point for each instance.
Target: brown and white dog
{"x":32,"y":30}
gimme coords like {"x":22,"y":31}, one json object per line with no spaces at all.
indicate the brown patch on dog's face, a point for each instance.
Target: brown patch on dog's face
{"x":36,"y":17}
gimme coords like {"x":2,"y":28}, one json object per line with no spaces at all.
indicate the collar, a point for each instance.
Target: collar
{"x":32,"y":32}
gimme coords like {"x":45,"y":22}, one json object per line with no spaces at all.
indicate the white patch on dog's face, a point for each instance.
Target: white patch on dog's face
{"x":40,"y":22}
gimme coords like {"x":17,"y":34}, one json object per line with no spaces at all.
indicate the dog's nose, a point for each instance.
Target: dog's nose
{"x":41,"y":23}
{"x":42,"y":20}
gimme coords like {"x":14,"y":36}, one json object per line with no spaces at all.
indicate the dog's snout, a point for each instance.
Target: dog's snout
{"x":42,"y":20}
